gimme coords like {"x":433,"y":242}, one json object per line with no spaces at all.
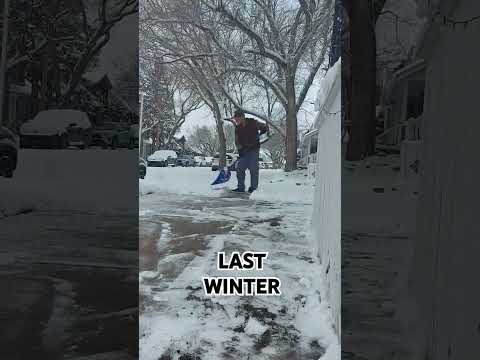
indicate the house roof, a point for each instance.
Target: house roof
{"x":98,"y":79}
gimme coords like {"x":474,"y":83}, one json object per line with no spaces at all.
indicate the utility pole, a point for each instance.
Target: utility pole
{"x":3,"y":61}
{"x":140,"y":125}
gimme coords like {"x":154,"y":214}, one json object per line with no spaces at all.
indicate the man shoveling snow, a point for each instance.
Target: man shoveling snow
{"x":247,"y":140}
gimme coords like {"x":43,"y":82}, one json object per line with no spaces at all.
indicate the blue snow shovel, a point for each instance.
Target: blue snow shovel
{"x":222,"y":177}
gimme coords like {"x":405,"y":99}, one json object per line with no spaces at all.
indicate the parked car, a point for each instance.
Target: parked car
{"x":57,"y":129}
{"x":231,"y":159}
{"x":142,"y":168}
{"x":162,"y":158}
{"x":185,"y":160}
{"x":9,"y":144}
{"x":265,"y":163}
{"x":208,"y":161}
{"x":134,"y":131}
{"x":111,"y":134}
{"x":200,"y":161}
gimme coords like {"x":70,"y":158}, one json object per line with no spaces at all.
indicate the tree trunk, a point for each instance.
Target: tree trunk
{"x":363,"y":81}
{"x":44,"y":81}
{"x":222,"y":162}
{"x":291,"y":125}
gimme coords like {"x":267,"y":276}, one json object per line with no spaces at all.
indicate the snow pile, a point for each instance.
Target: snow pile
{"x":178,"y":180}
{"x":274,"y":185}
{"x":277,"y":185}
{"x":327,"y":86}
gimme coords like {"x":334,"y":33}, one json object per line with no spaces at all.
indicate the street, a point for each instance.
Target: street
{"x":69,"y":264}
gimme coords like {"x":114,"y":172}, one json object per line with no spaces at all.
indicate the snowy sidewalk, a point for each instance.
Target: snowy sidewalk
{"x":179,"y":240}
{"x":378,"y":215}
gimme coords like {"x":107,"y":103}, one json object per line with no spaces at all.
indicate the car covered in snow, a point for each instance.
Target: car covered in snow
{"x":162,"y":158}
{"x":265,"y":163}
{"x":142,"y":168}
{"x":208,"y":160}
{"x":231,"y":159}
{"x":57,"y":129}
{"x":9,"y":144}
{"x":185,"y":160}
{"x":112,"y":134}
{"x":200,"y":161}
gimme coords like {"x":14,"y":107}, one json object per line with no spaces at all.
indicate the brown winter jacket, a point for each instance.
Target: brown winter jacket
{"x":246,"y":137}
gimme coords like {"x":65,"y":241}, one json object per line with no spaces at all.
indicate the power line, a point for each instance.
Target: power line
{"x":446,"y":21}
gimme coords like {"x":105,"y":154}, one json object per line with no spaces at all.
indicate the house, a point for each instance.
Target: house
{"x":402,"y":115}
{"x":97,"y":96}
{"x":443,"y":285}
{"x":17,"y":104}
{"x":100,"y":85}
{"x":403,"y":104}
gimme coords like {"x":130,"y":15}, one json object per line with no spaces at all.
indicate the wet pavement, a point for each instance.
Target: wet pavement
{"x":374,"y":273}
{"x":71,"y":280}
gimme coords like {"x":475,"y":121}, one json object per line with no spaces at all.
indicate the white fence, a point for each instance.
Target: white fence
{"x":326,"y":216}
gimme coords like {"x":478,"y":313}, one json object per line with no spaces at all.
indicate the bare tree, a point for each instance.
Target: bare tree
{"x":277,"y":42}
{"x":204,"y":140}
{"x":169,"y":102}
{"x":185,"y":47}
{"x":360,"y":64}
{"x":286,"y":38}
{"x":98,"y":19}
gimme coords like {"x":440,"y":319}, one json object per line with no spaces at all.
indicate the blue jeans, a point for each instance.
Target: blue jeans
{"x":248,"y":160}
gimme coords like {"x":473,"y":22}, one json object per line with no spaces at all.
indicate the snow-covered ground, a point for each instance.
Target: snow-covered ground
{"x":378,"y":226}
{"x":91,"y":179}
{"x":275,"y":185}
{"x":188,"y":223}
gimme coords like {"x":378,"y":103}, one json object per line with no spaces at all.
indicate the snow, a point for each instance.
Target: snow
{"x":51,"y":122}
{"x":42,"y":181}
{"x":180,"y":318}
{"x":275,"y":185}
{"x":327,"y":85}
